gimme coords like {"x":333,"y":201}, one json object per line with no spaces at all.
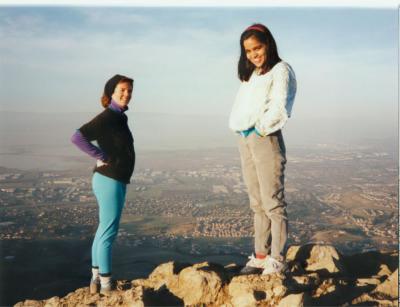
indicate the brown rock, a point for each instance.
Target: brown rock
{"x":326,"y":287}
{"x":384,"y":270}
{"x":292,"y":300}
{"x":198,"y":284}
{"x":361,"y":282}
{"x":31,"y":303}
{"x":302,"y":280}
{"x":53,"y":302}
{"x":255,"y":289}
{"x":210,"y":285}
{"x":317,"y":258}
{"x":390,"y":287}
{"x":134,"y":296}
{"x":162,"y":275}
{"x":243,"y":298}
{"x":292,"y":252}
{"x":241,"y":293}
{"x":368,"y":300}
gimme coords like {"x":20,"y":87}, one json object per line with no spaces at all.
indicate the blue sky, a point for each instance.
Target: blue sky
{"x":184,"y":60}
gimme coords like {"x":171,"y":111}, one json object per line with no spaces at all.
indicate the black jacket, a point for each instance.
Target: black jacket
{"x":110,"y":130}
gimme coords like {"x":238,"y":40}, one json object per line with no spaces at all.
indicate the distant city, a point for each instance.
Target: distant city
{"x":346,"y":197}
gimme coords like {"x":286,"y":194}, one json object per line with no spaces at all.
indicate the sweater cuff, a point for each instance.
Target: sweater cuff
{"x":258,"y":132}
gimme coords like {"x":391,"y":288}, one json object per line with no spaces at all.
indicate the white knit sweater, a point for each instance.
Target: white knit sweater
{"x":265,"y":101}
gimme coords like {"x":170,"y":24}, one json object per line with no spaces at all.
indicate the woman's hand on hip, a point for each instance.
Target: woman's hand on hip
{"x":100,"y":163}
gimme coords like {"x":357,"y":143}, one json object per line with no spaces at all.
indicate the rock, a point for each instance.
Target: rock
{"x":389,"y":288}
{"x":163,"y":275}
{"x":367,"y":300}
{"x":303,"y":283}
{"x":371,"y":264}
{"x":255,"y":289}
{"x":326,"y":287}
{"x":361,"y":282}
{"x":279,"y":291}
{"x":30,"y":303}
{"x":243,"y":298}
{"x":292,"y":300}
{"x":302,"y":280}
{"x":166,"y":274}
{"x":232,"y":270}
{"x":292,"y":252}
{"x":333,"y":292}
{"x":160,"y":297}
{"x":384,"y":270}
{"x":313,"y":280}
{"x":53,"y":302}
{"x":134,"y":296}
{"x":204,"y":278}
{"x":296,"y":268}
{"x":317,"y":258}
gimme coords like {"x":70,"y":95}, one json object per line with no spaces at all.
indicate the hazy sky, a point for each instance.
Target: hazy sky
{"x":56,"y":59}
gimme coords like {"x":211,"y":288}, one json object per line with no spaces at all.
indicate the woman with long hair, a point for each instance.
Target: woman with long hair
{"x":262,"y":106}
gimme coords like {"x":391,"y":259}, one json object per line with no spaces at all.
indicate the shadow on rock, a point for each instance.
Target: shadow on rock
{"x":178,"y":267}
{"x":217,"y":269}
{"x":160,"y":297}
{"x":370,"y":263}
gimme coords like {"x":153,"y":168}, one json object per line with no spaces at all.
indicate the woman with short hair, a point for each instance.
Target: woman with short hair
{"x":115,"y":157}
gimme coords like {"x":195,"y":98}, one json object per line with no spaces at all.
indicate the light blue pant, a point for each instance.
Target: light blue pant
{"x":110,"y":195}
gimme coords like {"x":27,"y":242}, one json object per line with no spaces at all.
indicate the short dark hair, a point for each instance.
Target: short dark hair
{"x":106,"y":98}
{"x":263,"y":35}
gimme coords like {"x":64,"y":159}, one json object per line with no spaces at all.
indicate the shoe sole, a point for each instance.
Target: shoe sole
{"x":250,"y":271}
{"x":283,"y":271}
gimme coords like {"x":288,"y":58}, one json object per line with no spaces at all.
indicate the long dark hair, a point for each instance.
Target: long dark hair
{"x":263,"y":35}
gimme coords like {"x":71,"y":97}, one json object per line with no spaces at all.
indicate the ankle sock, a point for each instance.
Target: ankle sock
{"x":95,"y":273}
{"x":105,"y":281}
{"x":260,"y":256}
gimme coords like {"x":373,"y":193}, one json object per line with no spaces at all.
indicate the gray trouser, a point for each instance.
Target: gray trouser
{"x":263,"y":163}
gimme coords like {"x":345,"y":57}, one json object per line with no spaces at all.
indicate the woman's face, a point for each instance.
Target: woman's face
{"x":255,"y":51}
{"x":122,"y":93}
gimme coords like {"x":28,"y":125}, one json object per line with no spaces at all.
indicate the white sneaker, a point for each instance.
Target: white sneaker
{"x":254,"y":265}
{"x":274,"y":266}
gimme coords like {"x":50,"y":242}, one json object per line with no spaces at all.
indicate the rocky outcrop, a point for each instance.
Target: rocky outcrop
{"x":323,"y":259}
{"x":317,"y":275}
{"x":385,"y":294}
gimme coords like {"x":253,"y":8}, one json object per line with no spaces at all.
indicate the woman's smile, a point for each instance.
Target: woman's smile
{"x":255,"y":51}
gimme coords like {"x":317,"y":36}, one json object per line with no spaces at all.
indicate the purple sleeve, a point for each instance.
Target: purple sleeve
{"x":83,"y":144}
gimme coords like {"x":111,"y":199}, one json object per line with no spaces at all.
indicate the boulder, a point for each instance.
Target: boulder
{"x":384,"y":270}
{"x":292,"y":300}
{"x":162,"y":274}
{"x":324,"y":259}
{"x":199,"y":284}
{"x":390,"y":287}
{"x":255,"y":289}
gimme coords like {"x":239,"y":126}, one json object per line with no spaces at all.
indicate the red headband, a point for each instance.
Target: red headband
{"x":255,"y":27}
